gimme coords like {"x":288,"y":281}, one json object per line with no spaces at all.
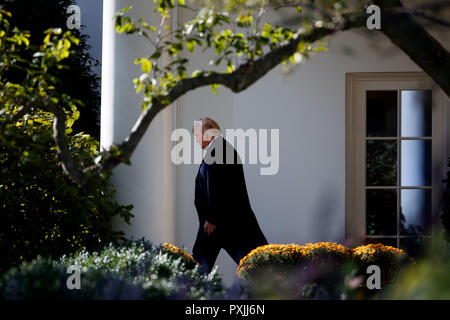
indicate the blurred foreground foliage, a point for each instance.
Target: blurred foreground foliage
{"x":124,"y":269}
{"x":128,"y":269}
{"x":428,"y":278}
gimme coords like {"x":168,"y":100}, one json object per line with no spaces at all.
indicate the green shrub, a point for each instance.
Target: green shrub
{"x":80,"y":80}
{"x":389,"y":259}
{"x":121,"y":270}
{"x":43,"y":212}
{"x":296,"y":272}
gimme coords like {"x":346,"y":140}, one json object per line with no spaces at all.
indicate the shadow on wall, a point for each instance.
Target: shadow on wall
{"x":324,"y":221}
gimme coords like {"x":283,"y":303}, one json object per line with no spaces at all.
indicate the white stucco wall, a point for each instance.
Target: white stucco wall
{"x":305,"y":201}
{"x":148,"y":183}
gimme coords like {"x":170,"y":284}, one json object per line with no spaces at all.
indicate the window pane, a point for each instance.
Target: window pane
{"x":415,"y":212}
{"x":381,"y":159}
{"x":381,"y":113}
{"x":416,"y":113}
{"x":416,"y":163}
{"x":381,"y":209}
{"x":415,"y":247}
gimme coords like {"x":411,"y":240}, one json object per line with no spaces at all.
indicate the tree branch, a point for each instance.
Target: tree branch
{"x":416,"y":42}
{"x":237,"y":81}
{"x":128,"y":146}
{"x":64,"y":154}
{"x":250,"y":72}
{"x":431,"y":18}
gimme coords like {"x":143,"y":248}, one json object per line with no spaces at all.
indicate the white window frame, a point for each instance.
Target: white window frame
{"x":356,"y":86}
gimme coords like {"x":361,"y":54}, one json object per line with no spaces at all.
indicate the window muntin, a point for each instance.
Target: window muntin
{"x":398,"y":182}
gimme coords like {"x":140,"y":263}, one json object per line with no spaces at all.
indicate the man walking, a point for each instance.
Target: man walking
{"x":223,"y":207}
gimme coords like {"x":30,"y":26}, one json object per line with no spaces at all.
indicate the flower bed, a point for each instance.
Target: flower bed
{"x":180,"y":253}
{"x":279,"y":258}
{"x":285,"y":257}
{"x":388,"y":258}
{"x":303,"y":270}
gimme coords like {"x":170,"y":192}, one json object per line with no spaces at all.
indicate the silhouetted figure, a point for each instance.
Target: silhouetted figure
{"x":226,"y":218}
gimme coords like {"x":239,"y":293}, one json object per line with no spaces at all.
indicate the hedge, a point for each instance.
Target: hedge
{"x":121,"y":270}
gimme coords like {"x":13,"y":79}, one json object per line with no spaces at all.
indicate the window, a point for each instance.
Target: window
{"x":395,"y":161}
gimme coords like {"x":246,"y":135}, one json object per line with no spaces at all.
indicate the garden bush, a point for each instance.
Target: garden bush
{"x":326,"y":258}
{"x":315,"y":271}
{"x":121,"y":270}
{"x":292,"y":271}
{"x":277,"y":259}
{"x":43,"y":212}
{"x":389,"y":259}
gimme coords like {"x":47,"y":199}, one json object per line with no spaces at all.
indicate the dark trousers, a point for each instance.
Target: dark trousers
{"x":207,"y":248}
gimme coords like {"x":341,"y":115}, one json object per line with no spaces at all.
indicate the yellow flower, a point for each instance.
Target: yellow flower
{"x":176,"y":250}
{"x":285,"y":256}
{"x":374,"y":248}
{"x":288,"y":252}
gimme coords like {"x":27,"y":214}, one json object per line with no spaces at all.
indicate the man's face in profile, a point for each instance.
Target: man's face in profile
{"x":200,"y":137}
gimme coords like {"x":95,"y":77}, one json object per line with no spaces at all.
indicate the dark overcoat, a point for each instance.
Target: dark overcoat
{"x":221,"y":198}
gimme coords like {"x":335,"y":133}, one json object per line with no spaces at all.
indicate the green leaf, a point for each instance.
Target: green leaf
{"x":139,"y":87}
{"x":320,"y":49}
{"x":196,"y":73}
{"x":190,"y":46}
{"x":214,"y":88}
{"x":126,"y":9}
{"x":156,"y":55}
{"x":230,"y":68}
{"x":47,"y":38}
{"x":242,"y":18}
{"x":146,"y":65}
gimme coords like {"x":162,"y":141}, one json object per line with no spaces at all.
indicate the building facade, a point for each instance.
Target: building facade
{"x":363,"y":142}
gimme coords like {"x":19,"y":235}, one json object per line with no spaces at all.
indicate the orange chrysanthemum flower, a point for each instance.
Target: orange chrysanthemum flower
{"x":178,"y":251}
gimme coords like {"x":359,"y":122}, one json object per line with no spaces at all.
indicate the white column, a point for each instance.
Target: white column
{"x":148,"y":183}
